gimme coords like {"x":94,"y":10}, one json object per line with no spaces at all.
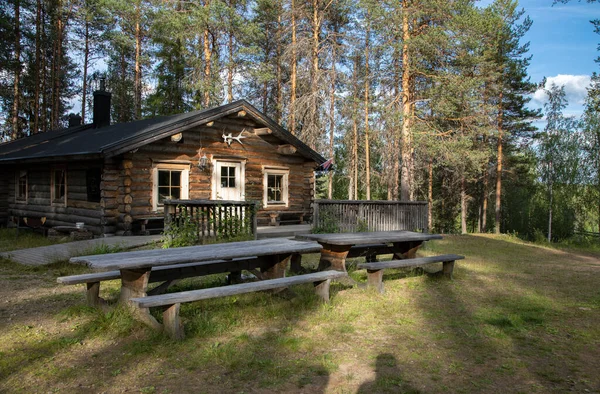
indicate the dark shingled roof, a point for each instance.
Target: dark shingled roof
{"x":88,"y":142}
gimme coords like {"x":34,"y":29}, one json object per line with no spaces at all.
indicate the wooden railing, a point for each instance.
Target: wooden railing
{"x":214,"y":220}
{"x":353,"y":216}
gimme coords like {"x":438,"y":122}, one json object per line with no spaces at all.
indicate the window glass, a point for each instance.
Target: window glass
{"x":274,"y":188}
{"x":169,"y":185}
{"x":93,"y":178}
{"x":22,"y":185}
{"x":59,"y":185}
{"x":227,"y":176}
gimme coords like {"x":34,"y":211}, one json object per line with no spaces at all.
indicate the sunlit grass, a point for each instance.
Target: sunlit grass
{"x":516,"y":316}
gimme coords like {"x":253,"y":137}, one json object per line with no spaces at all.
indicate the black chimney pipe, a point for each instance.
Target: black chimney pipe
{"x":101,"y":106}
{"x":74,"y":120}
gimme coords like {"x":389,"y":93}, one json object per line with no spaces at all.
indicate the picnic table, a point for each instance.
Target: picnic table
{"x":270,"y":255}
{"x":337,"y":246}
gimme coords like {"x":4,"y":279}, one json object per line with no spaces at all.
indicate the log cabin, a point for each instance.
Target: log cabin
{"x":107,"y":176}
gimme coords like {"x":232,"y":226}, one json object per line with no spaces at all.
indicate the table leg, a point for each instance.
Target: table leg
{"x":274,"y":266}
{"x":134,"y":284}
{"x":406,"y":250}
{"x":333,"y":257}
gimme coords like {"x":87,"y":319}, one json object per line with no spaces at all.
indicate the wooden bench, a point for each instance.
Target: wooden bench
{"x":167,"y":274}
{"x":375,"y":269}
{"x":144,"y":220}
{"x":32,"y":223}
{"x":171,"y":302}
{"x":276,"y":217}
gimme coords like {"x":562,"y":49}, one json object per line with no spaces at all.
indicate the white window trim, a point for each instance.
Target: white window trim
{"x":185,"y":181}
{"x":284,"y":193}
{"x":18,"y":186}
{"x":53,"y":201}
{"x":216,"y":177}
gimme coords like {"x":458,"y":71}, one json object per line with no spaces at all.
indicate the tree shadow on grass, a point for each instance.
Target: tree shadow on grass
{"x":494,"y":322}
{"x":388,"y":378}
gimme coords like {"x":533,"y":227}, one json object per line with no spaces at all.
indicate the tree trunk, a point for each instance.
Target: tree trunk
{"x":38,"y":62}
{"x":314,"y":107}
{"x":395,"y":133}
{"x":430,"y":197}
{"x":463,"y":205}
{"x":484,"y":208}
{"x":230,"y":67}
{"x":367,"y":143}
{"x":293,"y":76}
{"x":57,"y":62}
{"x":207,"y":58}
{"x":86,"y":55}
{"x":406,"y":154}
{"x":15,"y":119}
{"x":138,"y":59}
{"x":499,"y":170}
{"x":332,"y":117}
{"x":550,"y":207}
{"x":278,"y":74}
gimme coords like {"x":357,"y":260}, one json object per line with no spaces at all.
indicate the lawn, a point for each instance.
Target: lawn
{"x":516,"y":318}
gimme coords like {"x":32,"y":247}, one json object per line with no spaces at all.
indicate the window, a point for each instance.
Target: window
{"x":275,"y":187}
{"x":169,"y":185}
{"x":170,"y":182}
{"x":21,"y":186}
{"x":58,"y":186}
{"x":227,"y":176}
{"x":93,"y":177}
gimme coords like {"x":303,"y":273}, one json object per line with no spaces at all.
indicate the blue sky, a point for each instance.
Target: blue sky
{"x":564,"y":46}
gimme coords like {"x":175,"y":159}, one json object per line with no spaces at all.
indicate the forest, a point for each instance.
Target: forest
{"x":413,"y":99}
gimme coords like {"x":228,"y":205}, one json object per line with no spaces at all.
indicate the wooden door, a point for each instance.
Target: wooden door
{"x":228,"y":181}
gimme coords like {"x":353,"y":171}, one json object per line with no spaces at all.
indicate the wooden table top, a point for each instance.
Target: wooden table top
{"x":377,"y":237}
{"x":143,"y":259}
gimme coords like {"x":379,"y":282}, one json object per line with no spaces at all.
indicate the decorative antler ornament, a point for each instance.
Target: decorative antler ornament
{"x":228,"y":138}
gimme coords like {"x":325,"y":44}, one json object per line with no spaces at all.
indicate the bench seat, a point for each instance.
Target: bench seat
{"x":166,"y":273}
{"x":375,"y":269}
{"x":276,"y":217}
{"x":171,"y":302}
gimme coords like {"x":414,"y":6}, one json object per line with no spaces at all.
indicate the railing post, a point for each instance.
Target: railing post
{"x":254,"y":209}
{"x":169,"y":211}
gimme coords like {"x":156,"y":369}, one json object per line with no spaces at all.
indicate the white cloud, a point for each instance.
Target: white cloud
{"x":575,"y":88}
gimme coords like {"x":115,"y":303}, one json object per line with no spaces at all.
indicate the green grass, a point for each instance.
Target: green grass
{"x":26,"y":239}
{"x":517,"y":317}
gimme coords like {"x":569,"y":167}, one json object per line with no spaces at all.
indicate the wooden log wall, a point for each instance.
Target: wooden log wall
{"x":255,"y":152}
{"x":352,"y":216}
{"x":38,"y":204}
{"x":4,"y":181}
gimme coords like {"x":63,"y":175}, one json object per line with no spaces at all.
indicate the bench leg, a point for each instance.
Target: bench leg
{"x":234,"y":277}
{"x":375,"y":279}
{"x":448,"y":268}
{"x":172,"y":322}
{"x":93,"y":294}
{"x":296,"y":263}
{"x":322,"y":289}
{"x":134,"y":284}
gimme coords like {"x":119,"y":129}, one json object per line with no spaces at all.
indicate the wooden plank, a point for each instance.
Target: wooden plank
{"x":225,"y":291}
{"x":369,"y":237}
{"x":409,"y":262}
{"x":190,"y":254}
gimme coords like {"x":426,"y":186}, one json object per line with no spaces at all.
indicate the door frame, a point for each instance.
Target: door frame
{"x":215,"y":177}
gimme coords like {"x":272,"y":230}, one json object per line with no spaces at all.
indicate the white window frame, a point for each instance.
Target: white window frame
{"x":285,"y":185}
{"x":18,"y":175}
{"x":216,"y":178}
{"x":185,"y":182}
{"x":53,"y":200}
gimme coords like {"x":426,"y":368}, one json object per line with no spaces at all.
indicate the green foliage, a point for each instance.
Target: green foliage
{"x":181,"y":232}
